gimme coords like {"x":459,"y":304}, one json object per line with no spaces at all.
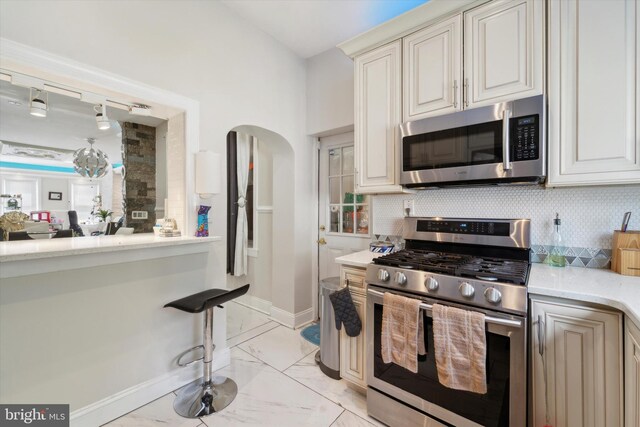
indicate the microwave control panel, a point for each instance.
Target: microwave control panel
{"x":525,"y":138}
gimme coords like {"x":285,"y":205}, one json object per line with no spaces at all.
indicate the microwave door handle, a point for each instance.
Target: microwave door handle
{"x":506,"y":134}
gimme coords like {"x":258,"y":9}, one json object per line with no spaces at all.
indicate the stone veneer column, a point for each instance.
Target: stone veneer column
{"x":139,"y":159}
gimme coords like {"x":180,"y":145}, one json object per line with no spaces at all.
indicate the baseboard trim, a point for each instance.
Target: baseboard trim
{"x":255,"y":303}
{"x":304,"y":317}
{"x":127,"y":400}
{"x":291,"y":320}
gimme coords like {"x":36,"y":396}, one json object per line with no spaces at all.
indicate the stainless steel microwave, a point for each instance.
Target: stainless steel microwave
{"x":499,"y":144}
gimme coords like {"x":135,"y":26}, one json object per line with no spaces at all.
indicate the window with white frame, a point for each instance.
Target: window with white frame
{"x":83,"y":196}
{"x":348,"y":212}
{"x":27,"y":188}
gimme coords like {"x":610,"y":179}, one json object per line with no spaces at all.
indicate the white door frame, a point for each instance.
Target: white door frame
{"x":342,"y":136}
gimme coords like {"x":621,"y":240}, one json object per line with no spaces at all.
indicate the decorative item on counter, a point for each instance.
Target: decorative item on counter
{"x":203,"y":221}
{"x":169,"y":228}
{"x":381,"y":247}
{"x":556,"y":257}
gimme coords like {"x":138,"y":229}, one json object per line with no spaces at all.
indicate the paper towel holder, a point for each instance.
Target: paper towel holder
{"x":207,"y":174}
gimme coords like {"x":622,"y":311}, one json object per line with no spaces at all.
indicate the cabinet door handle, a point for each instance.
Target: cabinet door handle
{"x":540,"y":336}
{"x":455,"y":94}
{"x":466,"y":92}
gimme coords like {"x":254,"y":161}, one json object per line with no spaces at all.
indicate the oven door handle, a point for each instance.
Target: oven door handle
{"x":488,"y":319}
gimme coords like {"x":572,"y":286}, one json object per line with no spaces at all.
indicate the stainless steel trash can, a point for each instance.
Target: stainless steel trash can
{"x":328,"y":357}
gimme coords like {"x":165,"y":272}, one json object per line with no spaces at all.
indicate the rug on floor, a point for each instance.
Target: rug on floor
{"x":312,"y":333}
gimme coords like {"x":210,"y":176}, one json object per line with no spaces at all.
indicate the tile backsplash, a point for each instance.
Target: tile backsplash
{"x":589,"y":214}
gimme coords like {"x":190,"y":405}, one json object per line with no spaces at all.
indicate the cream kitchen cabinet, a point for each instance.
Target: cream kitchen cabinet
{"x":432,"y":70}
{"x":632,"y":374}
{"x":502,"y":59}
{"x":503,"y":51}
{"x":352,"y":349}
{"x":576,"y":365}
{"x":377,"y":116}
{"x":594,"y":102}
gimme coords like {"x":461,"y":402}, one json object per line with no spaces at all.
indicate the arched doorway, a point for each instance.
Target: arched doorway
{"x":272,"y":231}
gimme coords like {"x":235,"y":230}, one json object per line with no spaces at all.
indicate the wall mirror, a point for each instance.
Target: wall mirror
{"x":45,"y":176}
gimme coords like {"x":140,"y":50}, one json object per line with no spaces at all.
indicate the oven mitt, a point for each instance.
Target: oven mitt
{"x":345,"y":312}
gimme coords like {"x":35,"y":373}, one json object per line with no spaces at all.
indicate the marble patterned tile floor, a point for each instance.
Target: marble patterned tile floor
{"x":278,"y":384}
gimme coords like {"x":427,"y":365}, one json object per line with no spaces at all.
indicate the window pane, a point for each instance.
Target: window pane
{"x":362,"y":218}
{"x":347,"y":160}
{"x":362,"y":199}
{"x":347,"y":219}
{"x":347,"y":189}
{"x":27,"y":188}
{"x":334,"y":161}
{"x":334,"y":221}
{"x":334,"y":190}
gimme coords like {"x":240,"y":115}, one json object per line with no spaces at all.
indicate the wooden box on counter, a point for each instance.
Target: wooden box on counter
{"x":625,"y":253}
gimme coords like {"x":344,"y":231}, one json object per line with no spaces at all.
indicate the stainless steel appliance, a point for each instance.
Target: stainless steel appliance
{"x":498,"y":144}
{"x":473,"y":264}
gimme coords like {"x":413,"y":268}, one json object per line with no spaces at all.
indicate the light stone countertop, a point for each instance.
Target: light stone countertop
{"x":358,"y":259}
{"x":24,"y":250}
{"x":593,"y":285}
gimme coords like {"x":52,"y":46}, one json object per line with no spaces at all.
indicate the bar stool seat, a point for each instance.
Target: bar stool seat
{"x":209,"y":393}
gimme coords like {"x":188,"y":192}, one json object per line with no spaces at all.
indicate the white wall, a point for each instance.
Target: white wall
{"x":205,"y":52}
{"x":329,"y":92}
{"x":59,"y":185}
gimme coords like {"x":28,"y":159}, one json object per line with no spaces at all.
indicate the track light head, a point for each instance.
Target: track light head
{"x":101,"y":117}
{"x":37,"y":107}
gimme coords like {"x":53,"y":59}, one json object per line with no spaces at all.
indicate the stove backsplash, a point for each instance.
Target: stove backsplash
{"x":589,"y":214}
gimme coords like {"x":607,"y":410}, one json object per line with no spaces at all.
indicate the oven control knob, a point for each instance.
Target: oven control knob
{"x":432,"y":284}
{"x":383,"y":275}
{"x":466,"y":290}
{"x":401,"y":278}
{"x":493,"y":295}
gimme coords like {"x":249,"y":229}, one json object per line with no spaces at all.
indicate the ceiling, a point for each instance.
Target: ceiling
{"x":310,"y":27}
{"x":68,"y":124}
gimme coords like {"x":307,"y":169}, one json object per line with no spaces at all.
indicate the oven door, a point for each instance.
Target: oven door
{"x":503,"y":405}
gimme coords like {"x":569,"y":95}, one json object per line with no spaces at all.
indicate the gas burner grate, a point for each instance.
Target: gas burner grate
{"x":491,"y":269}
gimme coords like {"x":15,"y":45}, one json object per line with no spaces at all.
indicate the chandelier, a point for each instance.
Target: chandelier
{"x":91,"y":162}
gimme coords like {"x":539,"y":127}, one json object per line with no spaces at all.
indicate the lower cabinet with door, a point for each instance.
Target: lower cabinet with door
{"x":577,"y":364}
{"x":352,"y":349}
{"x":632,"y":374}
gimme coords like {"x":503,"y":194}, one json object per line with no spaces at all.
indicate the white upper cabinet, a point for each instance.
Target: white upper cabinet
{"x":432,"y":70}
{"x":594,"y":104}
{"x":503,"y":51}
{"x":377,"y":116}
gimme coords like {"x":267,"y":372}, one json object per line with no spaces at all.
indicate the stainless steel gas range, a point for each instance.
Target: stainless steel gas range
{"x":473,"y":264}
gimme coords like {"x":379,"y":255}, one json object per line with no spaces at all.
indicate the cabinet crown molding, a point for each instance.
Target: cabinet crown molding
{"x":407,"y":23}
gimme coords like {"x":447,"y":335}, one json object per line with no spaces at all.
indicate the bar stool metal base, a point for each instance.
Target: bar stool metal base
{"x":198,"y":398}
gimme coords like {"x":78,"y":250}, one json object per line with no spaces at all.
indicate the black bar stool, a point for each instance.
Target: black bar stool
{"x":208,"y":394}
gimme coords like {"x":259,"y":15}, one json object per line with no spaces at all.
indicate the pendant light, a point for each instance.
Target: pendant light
{"x":101,"y":117}
{"x":38,"y":107}
{"x":91,"y":162}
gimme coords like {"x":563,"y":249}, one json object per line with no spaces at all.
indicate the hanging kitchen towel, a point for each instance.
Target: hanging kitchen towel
{"x":345,"y":312}
{"x":402,"y":331}
{"x":460,"y":348}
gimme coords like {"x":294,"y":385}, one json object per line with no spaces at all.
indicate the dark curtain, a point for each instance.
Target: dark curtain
{"x":232,"y":197}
